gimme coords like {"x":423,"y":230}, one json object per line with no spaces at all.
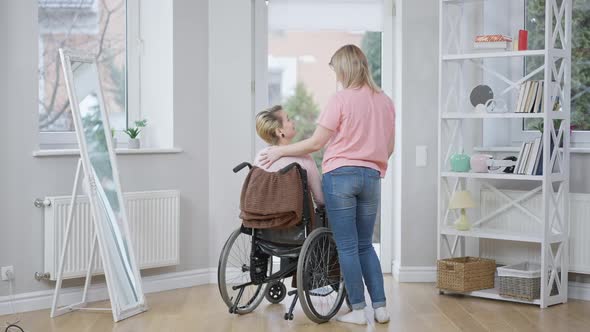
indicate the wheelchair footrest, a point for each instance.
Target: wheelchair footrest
{"x":322,"y":291}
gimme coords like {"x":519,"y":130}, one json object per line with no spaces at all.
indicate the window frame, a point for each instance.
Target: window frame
{"x":579,"y":138}
{"x":55,"y":140}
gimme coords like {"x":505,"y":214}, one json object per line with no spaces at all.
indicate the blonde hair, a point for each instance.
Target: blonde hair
{"x":267,"y":123}
{"x":352,"y":68}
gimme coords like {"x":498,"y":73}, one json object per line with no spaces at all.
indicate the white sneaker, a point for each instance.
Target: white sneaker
{"x":381,"y":315}
{"x":354,"y":317}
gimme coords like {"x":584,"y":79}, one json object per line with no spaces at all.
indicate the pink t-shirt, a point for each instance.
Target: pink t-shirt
{"x":363,"y":123}
{"x":313,"y":175}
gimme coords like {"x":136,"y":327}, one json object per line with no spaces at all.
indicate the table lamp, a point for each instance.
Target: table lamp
{"x":462,"y":200}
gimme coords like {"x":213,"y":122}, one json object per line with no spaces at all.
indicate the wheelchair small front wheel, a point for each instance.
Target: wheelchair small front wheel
{"x":276,"y":292}
{"x":234,"y":269}
{"x":320,"y":285}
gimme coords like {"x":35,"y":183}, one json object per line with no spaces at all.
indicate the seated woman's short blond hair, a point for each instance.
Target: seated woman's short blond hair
{"x":267,"y":123}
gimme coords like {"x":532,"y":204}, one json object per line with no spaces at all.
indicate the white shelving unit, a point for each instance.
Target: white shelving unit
{"x":455,"y":115}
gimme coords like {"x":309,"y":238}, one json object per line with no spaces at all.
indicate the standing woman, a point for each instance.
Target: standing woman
{"x":357,"y":129}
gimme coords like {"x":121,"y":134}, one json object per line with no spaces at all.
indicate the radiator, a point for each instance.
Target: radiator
{"x":153,"y":224}
{"x":506,"y":252}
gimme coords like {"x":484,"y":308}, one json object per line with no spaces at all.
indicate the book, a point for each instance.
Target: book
{"x":533,"y":156}
{"x":519,"y":158}
{"x":502,"y":45}
{"x":538,"y":106}
{"x":520,"y":97}
{"x":531,"y":96}
{"x":495,"y":41}
{"x":523,"y":37}
{"x":525,"y":156}
{"x":527,"y":86}
{"x":492,"y":38}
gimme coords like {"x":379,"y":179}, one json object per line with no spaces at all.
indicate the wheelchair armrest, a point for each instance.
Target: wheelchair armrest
{"x":288,"y":168}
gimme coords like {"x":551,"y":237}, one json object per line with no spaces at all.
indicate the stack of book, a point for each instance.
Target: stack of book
{"x":492,"y":42}
{"x":530,"y":158}
{"x":530,"y":97}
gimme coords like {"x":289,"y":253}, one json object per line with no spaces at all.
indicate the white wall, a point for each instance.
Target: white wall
{"x":231,"y":115}
{"x":25,"y":178}
{"x":416,"y":105}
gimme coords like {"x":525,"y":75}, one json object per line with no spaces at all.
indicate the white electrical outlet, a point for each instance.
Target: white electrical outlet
{"x":5,"y":271}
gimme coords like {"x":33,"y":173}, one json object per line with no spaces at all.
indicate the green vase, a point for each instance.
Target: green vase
{"x":460,"y":162}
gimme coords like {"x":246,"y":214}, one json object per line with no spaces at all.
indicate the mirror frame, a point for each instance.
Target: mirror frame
{"x":67,"y":57}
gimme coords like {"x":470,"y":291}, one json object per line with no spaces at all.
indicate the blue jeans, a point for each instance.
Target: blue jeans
{"x":352,"y":197}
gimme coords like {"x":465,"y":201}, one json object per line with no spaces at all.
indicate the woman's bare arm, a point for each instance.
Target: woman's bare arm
{"x":320,"y":137}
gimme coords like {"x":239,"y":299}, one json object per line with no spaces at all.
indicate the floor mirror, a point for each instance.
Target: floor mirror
{"x":101,"y":184}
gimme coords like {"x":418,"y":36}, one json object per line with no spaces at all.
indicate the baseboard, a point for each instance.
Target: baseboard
{"x":578,"y":291}
{"x":414,"y":273}
{"x":42,"y":299}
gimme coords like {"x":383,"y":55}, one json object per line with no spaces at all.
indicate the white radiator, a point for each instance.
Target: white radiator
{"x":153,"y":223}
{"x":515,"y":220}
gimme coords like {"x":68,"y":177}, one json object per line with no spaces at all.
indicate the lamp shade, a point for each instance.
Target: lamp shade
{"x":461,"y":200}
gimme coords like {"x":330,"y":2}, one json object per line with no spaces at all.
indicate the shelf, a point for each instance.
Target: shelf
{"x":502,"y":176}
{"x":493,"y":176}
{"x":474,"y":115}
{"x":494,"y":294}
{"x":494,"y":54}
{"x":499,"y":235}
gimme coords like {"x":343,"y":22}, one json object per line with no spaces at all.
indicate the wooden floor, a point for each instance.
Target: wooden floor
{"x":413,"y":307}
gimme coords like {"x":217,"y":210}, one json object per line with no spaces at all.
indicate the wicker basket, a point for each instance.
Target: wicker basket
{"x":521,"y":281}
{"x":465,"y":274}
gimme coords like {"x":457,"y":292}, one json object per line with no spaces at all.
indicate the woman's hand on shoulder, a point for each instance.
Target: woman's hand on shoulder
{"x":270,"y":155}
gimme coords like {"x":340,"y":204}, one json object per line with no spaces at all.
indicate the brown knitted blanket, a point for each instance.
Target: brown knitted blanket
{"x":271,"y":200}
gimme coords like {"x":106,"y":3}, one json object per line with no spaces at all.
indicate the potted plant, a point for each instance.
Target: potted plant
{"x":133,"y":134}
{"x":113,"y":138}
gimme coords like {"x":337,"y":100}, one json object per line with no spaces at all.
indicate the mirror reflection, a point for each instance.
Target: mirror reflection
{"x":110,"y":214}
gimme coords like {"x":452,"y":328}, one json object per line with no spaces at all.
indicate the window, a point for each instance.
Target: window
{"x":299,"y":50}
{"x":95,"y":26}
{"x":580,"y":65}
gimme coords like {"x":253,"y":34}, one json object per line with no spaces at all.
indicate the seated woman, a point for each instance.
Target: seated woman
{"x":276,"y":128}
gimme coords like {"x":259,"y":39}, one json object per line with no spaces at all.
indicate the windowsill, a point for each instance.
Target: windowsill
{"x":121,"y":151}
{"x":516,"y":149}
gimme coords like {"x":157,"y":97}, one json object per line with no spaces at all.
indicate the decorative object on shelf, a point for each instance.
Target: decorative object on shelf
{"x":479,"y":162}
{"x":505,"y":165}
{"x":462,"y":200}
{"x":523,"y":38}
{"x":497,"y":41}
{"x":465,"y":274}
{"x":495,"y":106}
{"x":460,"y":162}
{"x":521,"y":281}
{"x":480,"y":95}
{"x":133,"y":134}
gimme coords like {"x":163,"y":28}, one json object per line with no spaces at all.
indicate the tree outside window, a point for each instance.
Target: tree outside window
{"x":93,"y":26}
{"x":580,"y":65}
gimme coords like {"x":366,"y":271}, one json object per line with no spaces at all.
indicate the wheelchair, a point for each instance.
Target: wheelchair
{"x":249,"y":268}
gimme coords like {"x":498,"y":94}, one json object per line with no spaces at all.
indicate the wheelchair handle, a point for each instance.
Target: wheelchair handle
{"x":288,"y":168}
{"x":242,"y":165}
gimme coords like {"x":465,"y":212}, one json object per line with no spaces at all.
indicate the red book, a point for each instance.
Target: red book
{"x":523,"y":37}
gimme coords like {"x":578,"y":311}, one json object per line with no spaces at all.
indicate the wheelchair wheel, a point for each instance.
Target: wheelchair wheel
{"x":234,"y":269}
{"x":276,"y":292}
{"x":320,"y":285}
